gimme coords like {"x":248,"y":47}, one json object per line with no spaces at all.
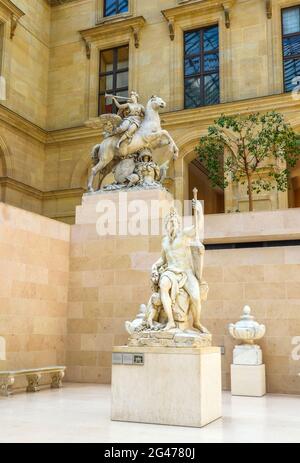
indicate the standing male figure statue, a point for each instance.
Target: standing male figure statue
{"x":175,"y":270}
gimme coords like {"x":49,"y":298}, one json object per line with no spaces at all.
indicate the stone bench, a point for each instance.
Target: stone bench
{"x":33,"y":376}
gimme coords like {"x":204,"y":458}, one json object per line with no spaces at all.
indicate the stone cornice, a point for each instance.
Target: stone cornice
{"x":39,"y":194}
{"x":58,"y":2}
{"x":114,"y":26}
{"x":13,"y":12}
{"x":185,"y":9}
{"x":189,"y":117}
{"x":199,"y":6}
{"x":71,"y":134}
{"x":20,"y":123}
{"x":281,"y":102}
{"x":12,"y":8}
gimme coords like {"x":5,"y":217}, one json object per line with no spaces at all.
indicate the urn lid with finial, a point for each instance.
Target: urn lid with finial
{"x":247,"y":329}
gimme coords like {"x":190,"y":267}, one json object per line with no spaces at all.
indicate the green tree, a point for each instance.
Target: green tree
{"x":258,"y":150}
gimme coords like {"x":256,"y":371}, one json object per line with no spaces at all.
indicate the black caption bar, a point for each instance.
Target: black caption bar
{"x":149,"y":453}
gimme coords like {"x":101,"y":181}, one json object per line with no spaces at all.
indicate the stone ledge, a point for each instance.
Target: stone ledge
{"x":175,"y":338}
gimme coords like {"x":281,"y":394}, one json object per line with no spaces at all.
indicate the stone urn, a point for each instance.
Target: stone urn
{"x":247,"y":329}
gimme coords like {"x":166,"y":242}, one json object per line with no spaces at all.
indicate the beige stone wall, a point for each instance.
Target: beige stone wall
{"x":268,"y":280}
{"x":25,"y":66}
{"x":34,"y":269}
{"x":27,"y":62}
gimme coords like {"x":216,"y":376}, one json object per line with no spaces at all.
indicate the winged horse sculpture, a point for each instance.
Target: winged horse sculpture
{"x":149,"y":136}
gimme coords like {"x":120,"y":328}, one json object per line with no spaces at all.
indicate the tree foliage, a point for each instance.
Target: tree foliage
{"x":257,"y":149}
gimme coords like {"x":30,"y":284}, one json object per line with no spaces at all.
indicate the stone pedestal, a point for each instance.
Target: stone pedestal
{"x":170,"y":386}
{"x":125,"y":204}
{"x":246,"y":354}
{"x":248,"y":380}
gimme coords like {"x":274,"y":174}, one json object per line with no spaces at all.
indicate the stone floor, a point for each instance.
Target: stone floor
{"x":81,"y":413}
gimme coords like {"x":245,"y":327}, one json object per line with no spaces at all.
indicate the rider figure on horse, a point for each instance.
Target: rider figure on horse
{"x":133,"y":114}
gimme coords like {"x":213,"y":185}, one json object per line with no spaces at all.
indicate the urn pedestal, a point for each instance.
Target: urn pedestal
{"x":248,"y":380}
{"x":168,"y":386}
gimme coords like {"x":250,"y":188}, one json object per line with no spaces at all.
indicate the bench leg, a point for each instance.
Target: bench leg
{"x":6,"y":385}
{"x":56,"y":379}
{"x":33,"y":381}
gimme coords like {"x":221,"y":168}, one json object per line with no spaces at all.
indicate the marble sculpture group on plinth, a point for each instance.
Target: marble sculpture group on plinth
{"x":130,"y":137}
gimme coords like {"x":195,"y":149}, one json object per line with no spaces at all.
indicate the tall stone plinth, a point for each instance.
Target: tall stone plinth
{"x":109,"y":276}
{"x":168,"y":386}
{"x":94,"y":204}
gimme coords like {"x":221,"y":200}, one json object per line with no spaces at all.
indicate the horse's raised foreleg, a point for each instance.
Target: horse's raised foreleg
{"x":163,"y":138}
{"x":166,"y":139}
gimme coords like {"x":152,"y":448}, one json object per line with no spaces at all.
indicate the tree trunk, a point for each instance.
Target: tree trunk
{"x":250,"y":193}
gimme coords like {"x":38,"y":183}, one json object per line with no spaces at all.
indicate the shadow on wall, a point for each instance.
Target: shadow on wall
{"x":213,"y":197}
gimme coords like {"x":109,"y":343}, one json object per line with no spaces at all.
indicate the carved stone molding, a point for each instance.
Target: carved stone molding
{"x":185,"y":9}
{"x":56,"y":379}
{"x":269,"y":8}
{"x":33,"y":381}
{"x":115,"y":27}
{"x":6,"y":385}
{"x":58,"y":2}
{"x":227,"y":5}
{"x":14,"y":13}
{"x":87,"y":48}
{"x":136,"y":36}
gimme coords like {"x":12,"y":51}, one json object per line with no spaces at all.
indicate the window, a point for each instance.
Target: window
{"x":291,"y":45}
{"x":113,"y":76}
{"x":113,"y":7}
{"x":201,"y":67}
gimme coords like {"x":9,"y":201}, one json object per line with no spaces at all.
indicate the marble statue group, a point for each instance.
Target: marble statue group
{"x":130,"y":138}
{"x":172,"y":316}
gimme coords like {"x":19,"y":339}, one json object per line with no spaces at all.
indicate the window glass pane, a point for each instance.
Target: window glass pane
{"x":211,"y":39}
{"x":211,"y":89}
{"x":291,"y":45}
{"x":123,"y":57}
{"x":116,"y":82}
{"x":192,"y":93}
{"x":106,"y":61}
{"x":123,"y":94}
{"x":192,"y":43}
{"x":122,"y":79}
{"x":192,"y":66}
{"x":291,"y":20}
{"x":291,"y":70}
{"x":106,"y":105}
{"x":211,"y":62}
{"x":106,"y":83}
{"x":113,"y":7}
{"x":202,"y":62}
{"x":110,"y":7}
{"x":123,"y":6}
